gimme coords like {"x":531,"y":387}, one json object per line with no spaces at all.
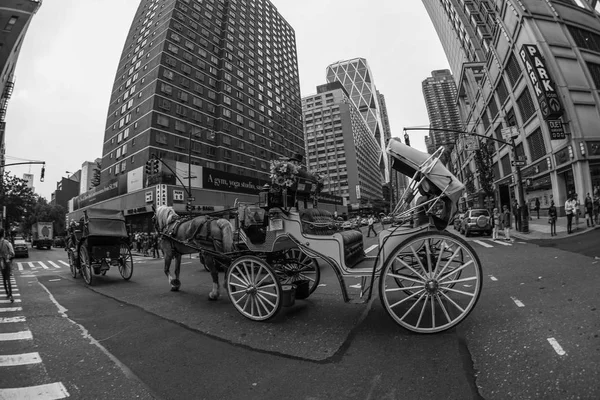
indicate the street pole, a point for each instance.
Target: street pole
{"x":523,"y":211}
{"x":190,"y":166}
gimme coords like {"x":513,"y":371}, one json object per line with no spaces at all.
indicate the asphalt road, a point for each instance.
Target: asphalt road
{"x":533,"y":334}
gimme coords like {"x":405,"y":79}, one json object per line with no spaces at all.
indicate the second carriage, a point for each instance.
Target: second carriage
{"x":98,"y":242}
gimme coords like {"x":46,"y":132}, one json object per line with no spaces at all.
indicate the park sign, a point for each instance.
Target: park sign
{"x":543,"y":85}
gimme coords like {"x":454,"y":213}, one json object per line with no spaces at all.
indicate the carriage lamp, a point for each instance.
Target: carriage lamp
{"x":571,"y":155}
{"x":582,"y":148}
{"x":406,"y":139}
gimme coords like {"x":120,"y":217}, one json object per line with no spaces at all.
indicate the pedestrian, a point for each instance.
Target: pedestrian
{"x":516,"y":212}
{"x":577,"y":211}
{"x":537,"y":207}
{"x":552,"y":215}
{"x":506,"y":223}
{"x":596,"y":207}
{"x":371,"y":222}
{"x":6,"y":255}
{"x":496,"y":223}
{"x":589,"y":210}
{"x":138,"y":241}
{"x":570,"y":211}
{"x":155,"y":253}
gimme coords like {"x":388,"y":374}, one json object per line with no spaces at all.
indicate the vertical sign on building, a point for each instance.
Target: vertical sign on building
{"x":161,"y":195}
{"x":545,"y":89}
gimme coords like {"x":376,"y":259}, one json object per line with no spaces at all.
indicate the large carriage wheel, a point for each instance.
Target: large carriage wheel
{"x":297,"y":266}
{"x":254,"y":288}
{"x":85,"y":263}
{"x":437,"y":289}
{"x":72,"y":262}
{"x":125,"y":262}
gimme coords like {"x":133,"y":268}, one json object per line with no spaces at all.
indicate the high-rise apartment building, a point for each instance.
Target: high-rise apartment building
{"x":534,"y":66}
{"x":357,"y":78}
{"x":15,"y":17}
{"x":340,"y":146}
{"x":212,"y":89}
{"x":439,"y":91}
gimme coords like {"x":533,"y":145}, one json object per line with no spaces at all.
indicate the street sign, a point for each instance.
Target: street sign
{"x":471,"y":143}
{"x":557,"y":131}
{"x":518,"y":163}
{"x":509,"y":132}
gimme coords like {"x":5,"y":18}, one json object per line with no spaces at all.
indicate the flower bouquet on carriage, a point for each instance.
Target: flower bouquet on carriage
{"x":290,"y":182}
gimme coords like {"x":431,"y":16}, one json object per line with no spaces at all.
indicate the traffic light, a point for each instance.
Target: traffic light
{"x":149,"y":167}
{"x":43,"y":172}
{"x":155,"y":166}
{"x":406,"y":139}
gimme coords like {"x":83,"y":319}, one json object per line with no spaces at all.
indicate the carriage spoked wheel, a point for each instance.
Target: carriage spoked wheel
{"x":297,"y":266}
{"x":85,"y":264}
{"x":254,"y":288}
{"x":435,"y":289}
{"x":125,"y":262}
{"x":72,"y":264}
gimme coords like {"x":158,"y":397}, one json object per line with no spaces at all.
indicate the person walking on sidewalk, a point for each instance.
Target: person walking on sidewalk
{"x":537,"y":207}
{"x":570,"y":211}
{"x":589,"y":211}
{"x":577,"y":211}
{"x":596,"y":207}
{"x":552,"y":215}
{"x":496,"y":223}
{"x":517,"y":213}
{"x":6,"y":255}
{"x":506,"y":223}
{"x":371,"y":226}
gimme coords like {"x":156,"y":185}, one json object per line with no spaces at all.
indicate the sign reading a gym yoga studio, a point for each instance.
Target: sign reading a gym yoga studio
{"x":543,"y":85}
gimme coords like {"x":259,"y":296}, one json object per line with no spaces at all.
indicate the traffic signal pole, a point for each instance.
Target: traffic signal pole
{"x":521,"y":194}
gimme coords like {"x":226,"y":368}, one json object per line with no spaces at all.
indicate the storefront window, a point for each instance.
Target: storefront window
{"x":569,"y":182}
{"x":595,"y":175}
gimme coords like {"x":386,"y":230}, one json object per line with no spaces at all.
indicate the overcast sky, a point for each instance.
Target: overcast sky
{"x":67,"y":66}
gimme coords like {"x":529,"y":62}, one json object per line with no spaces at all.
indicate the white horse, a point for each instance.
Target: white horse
{"x":200,"y":232}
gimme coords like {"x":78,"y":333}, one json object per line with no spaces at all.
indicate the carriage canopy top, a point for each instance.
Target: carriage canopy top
{"x":108,"y":223}
{"x":408,"y":161}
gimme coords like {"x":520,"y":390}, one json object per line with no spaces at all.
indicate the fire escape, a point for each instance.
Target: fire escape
{"x":6,"y":93}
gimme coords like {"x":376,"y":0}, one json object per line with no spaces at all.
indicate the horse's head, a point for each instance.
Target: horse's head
{"x":163,"y":216}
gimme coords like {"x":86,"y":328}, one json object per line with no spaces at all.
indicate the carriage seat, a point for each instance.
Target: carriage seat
{"x":316,"y":221}
{"x":253,"y":220}
{"x":320,"y":222}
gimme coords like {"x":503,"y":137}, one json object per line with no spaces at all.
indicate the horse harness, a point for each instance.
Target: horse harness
{"x":171,"y":230}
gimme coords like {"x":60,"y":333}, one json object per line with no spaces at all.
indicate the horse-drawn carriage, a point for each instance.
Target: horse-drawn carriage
{"x":97,"y":242}
{"x":429,"y":279}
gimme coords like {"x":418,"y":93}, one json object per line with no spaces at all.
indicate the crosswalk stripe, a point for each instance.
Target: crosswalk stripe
{"x":54,"y":264}
{"x":10,"y":309}
{"x":20,"y":265}
{"x":484,"y":244}
{"x":503,"y":243}
{"x":13,"y":289}
{"x":22,"y":335}
{"x":3,"y":292}
{"x":48,"y":391}
{"x":8,"y":301}
{"x":31,"y":265}
{"x":43,"y":265}
{"x":64,"y":263}
{"x":20,"y":359}
{"x":11,"y":320}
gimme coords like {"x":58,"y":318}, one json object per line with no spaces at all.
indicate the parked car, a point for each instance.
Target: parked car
{"x":59,"y":241}
{"x":20,"y":248}
{"x":478,"y":220}
{"x":457,"y":221}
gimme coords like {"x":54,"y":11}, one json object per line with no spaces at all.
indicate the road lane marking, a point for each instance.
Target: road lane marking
{"x":64,"y":263}
{"x":31,"y":265}
{"x":357,"y":286}
{"x":11,"y":320}
{"x":523,"y":242}
{"x":27,"y":276}
{"x":22,"y":335}
{"x":54,"y":264}
{"x":43,"y":265}
{"x":3,"y":293}
{"x":503,"y":243}
{"x":43,"y":392}
{"x":11,"y":309}
{"x":556,"y":346}
{"x":371,"y":248}
{"x":13,"y":289}
{"x":20,"y":359}
{"x":517,"y":302}
{"x":484,"y":244}
{"x":54,"y":280}
{"x":8,"y":301}
{"x":322,"y":284}
{"x":20,"y":265}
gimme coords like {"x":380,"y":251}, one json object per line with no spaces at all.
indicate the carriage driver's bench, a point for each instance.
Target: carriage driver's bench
{"x":321,"y":222}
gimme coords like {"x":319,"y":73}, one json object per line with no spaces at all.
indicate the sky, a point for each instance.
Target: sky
{"x":70,"y":54}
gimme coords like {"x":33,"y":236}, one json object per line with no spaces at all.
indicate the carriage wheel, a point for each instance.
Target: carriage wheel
{"x":85,"y":264}
{"x":72,"y":264}
{"x":125,"y":262}
{"x":254,"y":288}
{"x":435,"y":291}
{"x":297,"y":266}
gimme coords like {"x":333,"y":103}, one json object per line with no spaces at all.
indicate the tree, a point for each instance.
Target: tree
{"x":483,"y":163}
{"x":469,"y":184}
{"x":96,"y":177}
{"x":18,"y":199}
{"x":44,"y":212}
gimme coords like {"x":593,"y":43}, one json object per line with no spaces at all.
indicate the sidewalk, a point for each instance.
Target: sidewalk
{"x":540,"y":229}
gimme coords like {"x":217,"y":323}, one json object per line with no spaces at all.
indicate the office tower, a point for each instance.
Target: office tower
{"x":340,"y":146}
{"x":533,"y":66}
{"x":357,"y":78}
{"x":15,"y":17}
{"x":439,"y":91}
{"x":214,"y":82}
{"x":88,"y":175}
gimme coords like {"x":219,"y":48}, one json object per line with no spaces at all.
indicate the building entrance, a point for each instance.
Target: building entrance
{"x":504,"y":192}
